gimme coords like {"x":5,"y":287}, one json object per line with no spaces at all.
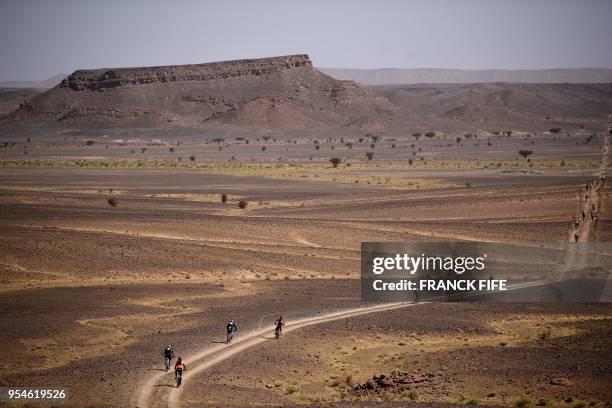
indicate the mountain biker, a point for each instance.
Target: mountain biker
{"x":279,"y":325}
{"x":179,"y":367}
{"x":231,"y":329}
{"x":577,"y":222}
{"x":168,"y":353}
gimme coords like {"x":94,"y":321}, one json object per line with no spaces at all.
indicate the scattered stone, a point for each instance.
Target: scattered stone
{"x":561,"y":381}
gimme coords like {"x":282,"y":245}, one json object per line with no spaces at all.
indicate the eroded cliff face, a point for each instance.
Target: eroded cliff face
{"x":99,"y":79}
{"x":278,"y":93}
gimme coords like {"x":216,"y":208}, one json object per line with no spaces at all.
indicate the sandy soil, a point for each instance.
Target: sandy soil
{"x":91,"y":292}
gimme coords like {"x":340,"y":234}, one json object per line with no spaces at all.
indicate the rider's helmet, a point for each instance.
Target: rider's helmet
{"x":231,"y":322}
{"x":280,"y":318}
{"x":178,"y":360}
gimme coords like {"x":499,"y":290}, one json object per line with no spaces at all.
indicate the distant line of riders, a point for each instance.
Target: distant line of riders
{"x":232,"y":328}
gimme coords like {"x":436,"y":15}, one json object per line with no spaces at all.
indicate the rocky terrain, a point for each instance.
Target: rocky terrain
{"x":271,"y":92}
{"x":288,"y":93}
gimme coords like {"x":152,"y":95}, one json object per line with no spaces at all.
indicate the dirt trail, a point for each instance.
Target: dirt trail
{"x":590,"y":198}
{"x":221,"y":352}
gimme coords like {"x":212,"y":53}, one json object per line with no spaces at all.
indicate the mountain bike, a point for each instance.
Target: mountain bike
{"x":179,"y":377}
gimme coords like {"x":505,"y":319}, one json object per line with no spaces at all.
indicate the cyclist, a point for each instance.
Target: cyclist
{"x":168,"y":355}
{"x":231,"y":329}
{"x":179,"y":367}
{"x":279,"y":326}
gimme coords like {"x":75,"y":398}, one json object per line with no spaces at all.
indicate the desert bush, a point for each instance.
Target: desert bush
{"x":411,"y":395}
{"x":430,"y":134}
{"x":370,"y":155}
{"x":112,"y":202}
{"x":335,"y":161}
{"x":525,"y":153}
{"x":171,"y":150}
{"x":522,"y":403}
{"x":224,"y":198}
{"x":242,"y":204}
{"x":144,"y":149}
{"x":263,"y":148}
{"x":545,"y":334}
{"x":472,"y":402}
{"x":543,"y":401}
{"x":89,"y":142}
{"x":555,"y":131}
{"x":292,"y":388}
{"x":192,"y":158}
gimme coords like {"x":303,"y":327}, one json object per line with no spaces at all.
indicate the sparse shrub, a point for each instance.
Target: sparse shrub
{"x":430,"y":134}
{"x":525,"y":153}
{"x":522,"y":403}
{"x":411,"y":395}
{"x":144,"y":149}
{"x":417,"y":135}
{"x":544,"y":334}
{"x":472,"y":402}
{"x":242,"y":204}
{"x":89,"y":142}
{"x":224,"y":198}
{"x":370,"y":155}
{"x":112,"y":202}
{"x":292,"y":388}
{"x":171,"y":150}
{"x":335,"y":161}
{"x":555,"y":131}
{"x":192,"y":158}
{"x":543,"y":401}
{"x":263,"y":148}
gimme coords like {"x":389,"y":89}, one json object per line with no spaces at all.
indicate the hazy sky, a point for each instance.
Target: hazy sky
{"x":42,"y":38}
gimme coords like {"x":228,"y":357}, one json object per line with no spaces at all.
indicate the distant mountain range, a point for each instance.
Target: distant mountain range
{"x":401,"y":76}
{"x":46,"y":84}
{"x":395,"y":76}
{"x":288,"y":93}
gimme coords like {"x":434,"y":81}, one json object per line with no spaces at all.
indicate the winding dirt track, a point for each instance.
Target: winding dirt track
{"x":215,"y":355}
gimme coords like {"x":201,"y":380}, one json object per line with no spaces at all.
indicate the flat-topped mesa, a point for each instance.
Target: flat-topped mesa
{"x":284,"y":92}
{"x":106,"y":78}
